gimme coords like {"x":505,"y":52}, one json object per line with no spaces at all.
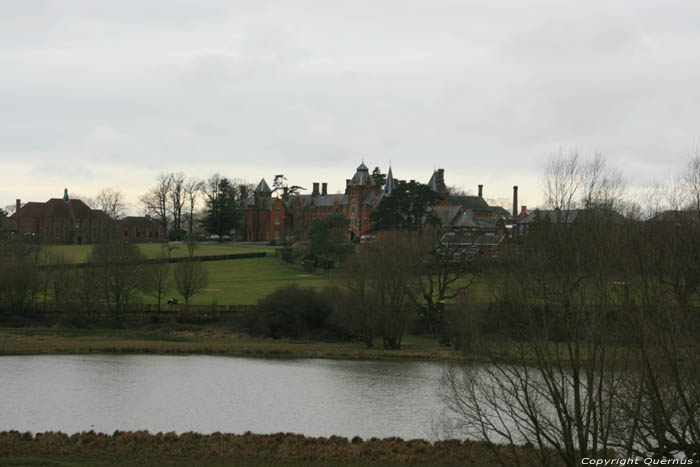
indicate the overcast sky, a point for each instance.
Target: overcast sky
{"x":100,"y":94}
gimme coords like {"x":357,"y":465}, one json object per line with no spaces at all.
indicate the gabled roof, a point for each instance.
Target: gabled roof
{"x":263,"y":187}
{"x":677,"y":217}
{"x":447,"y":214}
{"x":472,"y":203}
{"x":464,"y":220}
{"x":501,"y":212}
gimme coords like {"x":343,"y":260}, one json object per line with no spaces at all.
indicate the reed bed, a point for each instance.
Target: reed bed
{"x":144,"y":448}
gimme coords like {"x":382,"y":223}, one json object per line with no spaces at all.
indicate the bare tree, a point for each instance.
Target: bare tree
{"x":554,"y":382}
{"x":111,"y":201}
{"x":440,"y":277}
{"x":119,"y":273}
{"x":193,"y":188}
{"x":155,"y":201}
{"x":378,"y":277}
{"x":177,"y":199}
{"x":661,"y":410}
{"x":190,"y":276}
{"x":159,"y":276}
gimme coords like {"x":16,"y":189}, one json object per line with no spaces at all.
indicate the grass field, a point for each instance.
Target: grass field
{"x":79,"y":253}
{"x":231,"y":282}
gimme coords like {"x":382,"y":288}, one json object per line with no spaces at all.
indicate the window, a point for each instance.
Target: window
{"x":277,"y":221}
{"x":48,"y":232}
{"x":277,"y":234}
{"x":94,"y":233}
{"x":126,"y":233}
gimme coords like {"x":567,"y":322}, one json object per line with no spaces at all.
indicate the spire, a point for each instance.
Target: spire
{"x":390,"y":183}
{"x":65,"y":195}
{"x":263,"y":187}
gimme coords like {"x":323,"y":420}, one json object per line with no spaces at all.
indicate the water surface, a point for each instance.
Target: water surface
{"x":211,"y":393}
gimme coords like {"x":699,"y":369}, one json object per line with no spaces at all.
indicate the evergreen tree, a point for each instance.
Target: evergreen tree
{"x":378,"y":177}
{"x":408,"y":207}
{"x":222,"y":211}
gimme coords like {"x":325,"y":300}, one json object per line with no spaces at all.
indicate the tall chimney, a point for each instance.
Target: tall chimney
{"x":244,"y":192}
{"x":441,"y":179}
{"x":324,"y":188}
{"x":515,"y":201}
{"x":285,"y":192}
{"x":481,"y":191}
{"x":315,"y":192}
{"x":19,"y":202}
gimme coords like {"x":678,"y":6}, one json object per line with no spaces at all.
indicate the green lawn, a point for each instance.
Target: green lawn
{"x":245,"y":281}
{"x":79,"y":253}
{"x":231,"y":282}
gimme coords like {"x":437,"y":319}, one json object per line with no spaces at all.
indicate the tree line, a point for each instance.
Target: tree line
{"x":116,"y":277}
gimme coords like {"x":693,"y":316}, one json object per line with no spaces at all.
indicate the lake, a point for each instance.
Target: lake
{"x":205,"y":394}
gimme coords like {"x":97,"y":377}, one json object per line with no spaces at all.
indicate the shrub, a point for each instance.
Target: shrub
{"x":292,"y":311}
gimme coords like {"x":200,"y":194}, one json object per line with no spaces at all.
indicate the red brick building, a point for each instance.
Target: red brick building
{"x":140,"y":229}
{"x":266,"y":218}
{"x":280,"y":218}
{"x":71,"y":221}
{"x":61,"y":220}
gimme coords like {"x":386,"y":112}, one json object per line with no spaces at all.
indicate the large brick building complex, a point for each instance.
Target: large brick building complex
{"x":267,"y":218}
{"x":284,"y":216}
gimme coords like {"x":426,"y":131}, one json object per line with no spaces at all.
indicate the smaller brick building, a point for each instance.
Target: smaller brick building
{"x":140,"y":229}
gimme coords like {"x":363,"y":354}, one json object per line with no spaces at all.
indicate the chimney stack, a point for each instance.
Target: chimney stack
{"x":315,"y":192}
{"x":19,"y":202}
{"x":285,"y":192}
{"x":515,"y":201}
{"x":244,"y":192}
{"x":481,"y":191}
{"x":324,"y":188}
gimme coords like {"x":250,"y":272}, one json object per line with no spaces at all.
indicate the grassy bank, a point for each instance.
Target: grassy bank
{"x":281,"y":449}
{"x":31,"y":341}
